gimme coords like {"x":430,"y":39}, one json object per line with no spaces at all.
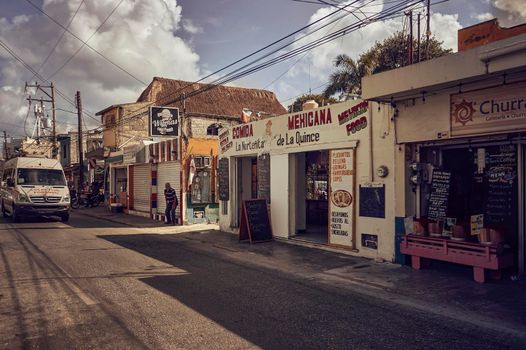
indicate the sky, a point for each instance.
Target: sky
{"x":189,"y":39}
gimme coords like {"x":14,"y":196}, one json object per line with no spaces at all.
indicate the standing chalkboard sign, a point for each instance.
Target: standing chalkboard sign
{"x":224,"y":186}
{"x":255,"y":222}
{"x":263,"y":173}
{"x":502,"y":186}
{"x":439,"y":197}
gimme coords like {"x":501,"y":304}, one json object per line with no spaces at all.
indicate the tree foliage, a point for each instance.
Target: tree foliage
{"x":382,"y":56}
{"x":320,"y":99}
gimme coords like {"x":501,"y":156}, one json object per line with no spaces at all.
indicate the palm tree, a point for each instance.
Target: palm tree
{"x":347,"y":78}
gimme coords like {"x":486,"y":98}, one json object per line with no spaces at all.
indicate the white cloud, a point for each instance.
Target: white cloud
{"x":514,"y":7}
{"x":191,"y":27}
{"x":141,"y":36}
{"x":445,"y":28}
{"x":482,"y":17}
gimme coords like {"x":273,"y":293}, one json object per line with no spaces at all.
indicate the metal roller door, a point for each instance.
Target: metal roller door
{"x":141,"y":187}
{"x":168,"y":172}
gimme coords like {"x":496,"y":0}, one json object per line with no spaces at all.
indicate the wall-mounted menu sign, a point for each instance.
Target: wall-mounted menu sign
{"x":263,"y":172}
{"x":372,"y":200}
{"x":341,"y":197}
{"x":439,"y":197}
{"x":222,"y":172}
{"x":502,"y":183}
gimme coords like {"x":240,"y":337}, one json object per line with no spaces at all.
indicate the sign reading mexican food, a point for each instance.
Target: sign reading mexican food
{"x":340,"y":122}
{"x":486,"y":111}
{"x":341,"y":197}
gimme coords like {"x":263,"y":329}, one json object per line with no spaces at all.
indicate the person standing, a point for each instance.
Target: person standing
{"x":171,"y":204}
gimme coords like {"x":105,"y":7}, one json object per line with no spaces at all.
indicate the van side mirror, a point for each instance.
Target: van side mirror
{"x":10,"y":182}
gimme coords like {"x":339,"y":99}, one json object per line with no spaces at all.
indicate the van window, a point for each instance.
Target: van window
{"x":42,"y":177}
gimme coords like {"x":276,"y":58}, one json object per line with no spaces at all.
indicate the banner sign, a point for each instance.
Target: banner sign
{"x":342,"y":122}
{"x":488,"y":111}
{"x":341,"y":197}
{"x":164,"y":121}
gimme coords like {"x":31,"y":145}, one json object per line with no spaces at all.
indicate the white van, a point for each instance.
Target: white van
{"x":34,"y":187}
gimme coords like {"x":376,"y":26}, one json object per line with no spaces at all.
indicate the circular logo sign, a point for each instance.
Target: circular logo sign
{"x":341,"y":198}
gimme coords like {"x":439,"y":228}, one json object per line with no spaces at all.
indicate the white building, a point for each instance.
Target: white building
{"x":327,"y":173}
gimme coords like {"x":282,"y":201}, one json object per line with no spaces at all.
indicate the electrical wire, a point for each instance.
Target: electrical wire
{"x":28,"y":67}
{"x":86,"y":44}
{"x":58,"y":41}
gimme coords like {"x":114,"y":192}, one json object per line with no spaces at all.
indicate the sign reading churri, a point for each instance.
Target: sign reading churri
{"x":164,"y":121}
{"x":491,"y":110}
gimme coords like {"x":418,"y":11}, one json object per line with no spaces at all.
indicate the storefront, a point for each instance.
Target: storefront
{"x":327,"y":175}
{"x":463,"y":134}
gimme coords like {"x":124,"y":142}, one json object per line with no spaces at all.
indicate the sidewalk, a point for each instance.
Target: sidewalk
{"x":441,"y":289}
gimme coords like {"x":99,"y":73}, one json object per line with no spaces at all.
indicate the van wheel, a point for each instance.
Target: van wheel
{"x":64,"y":218}
{"x":15,"y":216}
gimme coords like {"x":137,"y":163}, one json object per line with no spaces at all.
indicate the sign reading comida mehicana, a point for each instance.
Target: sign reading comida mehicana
{"x":341,"y":197}
{"x":488,"y":111}
{"x":164,"y":121}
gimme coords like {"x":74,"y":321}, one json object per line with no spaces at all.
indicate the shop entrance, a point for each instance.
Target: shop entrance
{"x":484,"y":181}
{"x":311,"y":191}
{"x":246,"y":180}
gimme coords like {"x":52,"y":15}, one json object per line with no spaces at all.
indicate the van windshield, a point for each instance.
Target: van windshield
{"x":43,"y":177}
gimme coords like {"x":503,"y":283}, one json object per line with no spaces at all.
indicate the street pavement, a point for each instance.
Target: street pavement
{"x":105,"y":281}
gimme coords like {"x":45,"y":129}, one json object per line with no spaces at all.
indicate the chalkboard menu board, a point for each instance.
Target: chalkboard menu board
{"x":372,"y":200}
{"x":439,"y":196}
{"x":263,"y":174}
{"x":255,"y":222}
{"x":502,"y":182}
{"x":224,"y":186}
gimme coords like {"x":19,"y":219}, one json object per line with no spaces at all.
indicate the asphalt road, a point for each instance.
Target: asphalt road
{"x":97,"y":284}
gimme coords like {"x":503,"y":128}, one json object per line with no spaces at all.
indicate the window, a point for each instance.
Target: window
{"x":41,"y":177}
{"x":64,"y":151}
{"x":213,"y":129}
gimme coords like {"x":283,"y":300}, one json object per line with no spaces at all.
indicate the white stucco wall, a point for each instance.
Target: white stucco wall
{"x":285,"y":172}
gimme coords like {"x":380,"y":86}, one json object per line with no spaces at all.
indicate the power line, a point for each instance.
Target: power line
{"x":239,"y":72}
{"x":58,"y":41}
{"x":258,"y":51}
{"x":85,"y":43}
{"x":28,"y":67}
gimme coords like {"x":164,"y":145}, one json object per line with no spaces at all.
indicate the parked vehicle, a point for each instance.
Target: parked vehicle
{"x":84,"y":200}
{"x":34,"y":187}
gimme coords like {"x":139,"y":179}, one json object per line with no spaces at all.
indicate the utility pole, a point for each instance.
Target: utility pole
{"x":411,"y":37}
{"x":49,"y":91}
{"x":81,"y":161}
{"x":428,"y":31}
{"x":54,"y":152}
{"x":6,"y":155}
{"x":418,"y":30}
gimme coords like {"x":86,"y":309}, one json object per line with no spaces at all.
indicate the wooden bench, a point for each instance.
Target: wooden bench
{"x":481,"y":256}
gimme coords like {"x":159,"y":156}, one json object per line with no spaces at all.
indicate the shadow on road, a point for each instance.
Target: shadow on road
{"x":277,"y":310}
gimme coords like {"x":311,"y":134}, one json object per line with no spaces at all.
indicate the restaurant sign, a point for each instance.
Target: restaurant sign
{"x":491,"y":110}
{"x":341,"y":197}
{"x":164,"y":121}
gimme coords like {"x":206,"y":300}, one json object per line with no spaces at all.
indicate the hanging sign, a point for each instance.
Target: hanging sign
{"x":164,"y":121}
{"x":486,"y":111}
{"x":341,"y":213}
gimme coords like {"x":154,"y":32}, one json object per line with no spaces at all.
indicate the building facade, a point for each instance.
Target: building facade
{"x":328,"y":175}
{"x":460,"y":122}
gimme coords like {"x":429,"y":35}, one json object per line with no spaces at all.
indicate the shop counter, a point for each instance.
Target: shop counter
{"x":481,"y":256}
